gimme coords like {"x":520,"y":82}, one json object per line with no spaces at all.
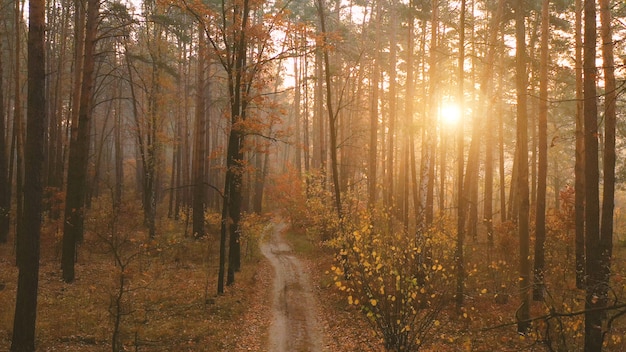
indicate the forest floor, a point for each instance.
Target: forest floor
{"x":284,"y":298}
{"x":168,"y":301}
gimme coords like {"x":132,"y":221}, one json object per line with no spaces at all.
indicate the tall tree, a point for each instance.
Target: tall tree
{"x":332,"y":114}
{"x":579,"y":167}
{"x":79,"y":150}
{"x":521,"y":80}
{"x":373,"y":142}
{"x":598,"y":236}
{"x":28,"y":279}
{"x":4,"y":165}
{"x":199,"y":153}
{"x":18,"y":134}
{"x":608,"y":190}
{"x":460,"y":226}
{"x":593,"y":250}
{"x":542,"y":168}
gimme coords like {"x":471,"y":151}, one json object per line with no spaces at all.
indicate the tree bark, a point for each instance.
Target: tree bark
{"x":28,"y":279}
{"x":579,"y":167}
{"x":199,"y":151}
{"x":79,"y":152}
{"x":542,"y":167}
{"x":460,"y":225}
{"x":593,"y":264}
{"x":18,"y":134}
{"x":523,"y":313}
{"x":373,"y":142}
{"x":4,"y":165}
{"x":332,"y":114}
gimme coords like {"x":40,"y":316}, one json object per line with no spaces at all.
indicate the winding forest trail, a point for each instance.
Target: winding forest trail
{"x":294,"y":325}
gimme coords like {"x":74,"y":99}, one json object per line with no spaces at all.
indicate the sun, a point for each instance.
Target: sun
{"x":450,"y":114}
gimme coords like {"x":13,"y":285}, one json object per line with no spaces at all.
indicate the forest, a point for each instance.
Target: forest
{"x":325,"y":175}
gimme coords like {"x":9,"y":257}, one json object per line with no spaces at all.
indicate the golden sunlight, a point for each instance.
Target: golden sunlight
{"x":450,"y":114}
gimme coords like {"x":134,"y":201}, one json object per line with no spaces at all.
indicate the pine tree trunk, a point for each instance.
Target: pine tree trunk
{"x":199,"y":152}
{"x":4,"y":184}
{"x":373,"y":141}
{"x":523,"y":313}
{"x":593,"y":249}
{"x":579,"y":167}
{"x":79,"y":152}
{"x":542,"y":167}
{"x":28,"y":279}
{"x":460,"y":225}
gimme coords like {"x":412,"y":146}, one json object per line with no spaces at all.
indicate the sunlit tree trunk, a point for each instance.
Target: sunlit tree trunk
{"x":460,"y":225}
{"x":579,"y":167}
{"x":332,"y":114}
{"x":28,"y":279}
{"x":373,"y":141}
{"x":485,"y":93}
{"x":542,"y":167}
{"x":593,"y":249}
{"x":523,"y":313}
{"x":428,"y":129}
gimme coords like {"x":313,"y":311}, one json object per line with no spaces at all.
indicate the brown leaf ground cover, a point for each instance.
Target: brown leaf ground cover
{"x":169,"y":301}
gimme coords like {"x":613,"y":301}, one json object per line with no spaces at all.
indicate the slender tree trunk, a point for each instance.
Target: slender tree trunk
{"x":332,"y":115}
{"x":119,"y":154}
{"x":28,"y":279}
{"x":428,"y":141}
{"x":610,"y":100}
{"x":4,"y":165}
{"x":579,"y":167}
{"x":79,"y":152}
{"x":460,"y":225}
{"x":297,"y":113}
{"x":199,"y":152}
{"x":373,"y":143}
{"x":18,"y":133}
{"x":542,"y":168}
{"x":593,"y":264}
{"x":523,"y":313}
{"x":500,"y":113}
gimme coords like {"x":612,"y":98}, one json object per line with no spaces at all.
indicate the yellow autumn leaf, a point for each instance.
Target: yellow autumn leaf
{"x":373,"y":302}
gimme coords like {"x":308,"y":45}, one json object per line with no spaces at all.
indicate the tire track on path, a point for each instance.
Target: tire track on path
{"x":294,"y":324}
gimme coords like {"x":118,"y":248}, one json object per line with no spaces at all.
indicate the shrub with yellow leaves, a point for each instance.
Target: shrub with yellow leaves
{"x":392,"y":277}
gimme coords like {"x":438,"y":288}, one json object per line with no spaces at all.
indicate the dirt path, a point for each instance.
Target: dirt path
{"x":294,"y":324}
